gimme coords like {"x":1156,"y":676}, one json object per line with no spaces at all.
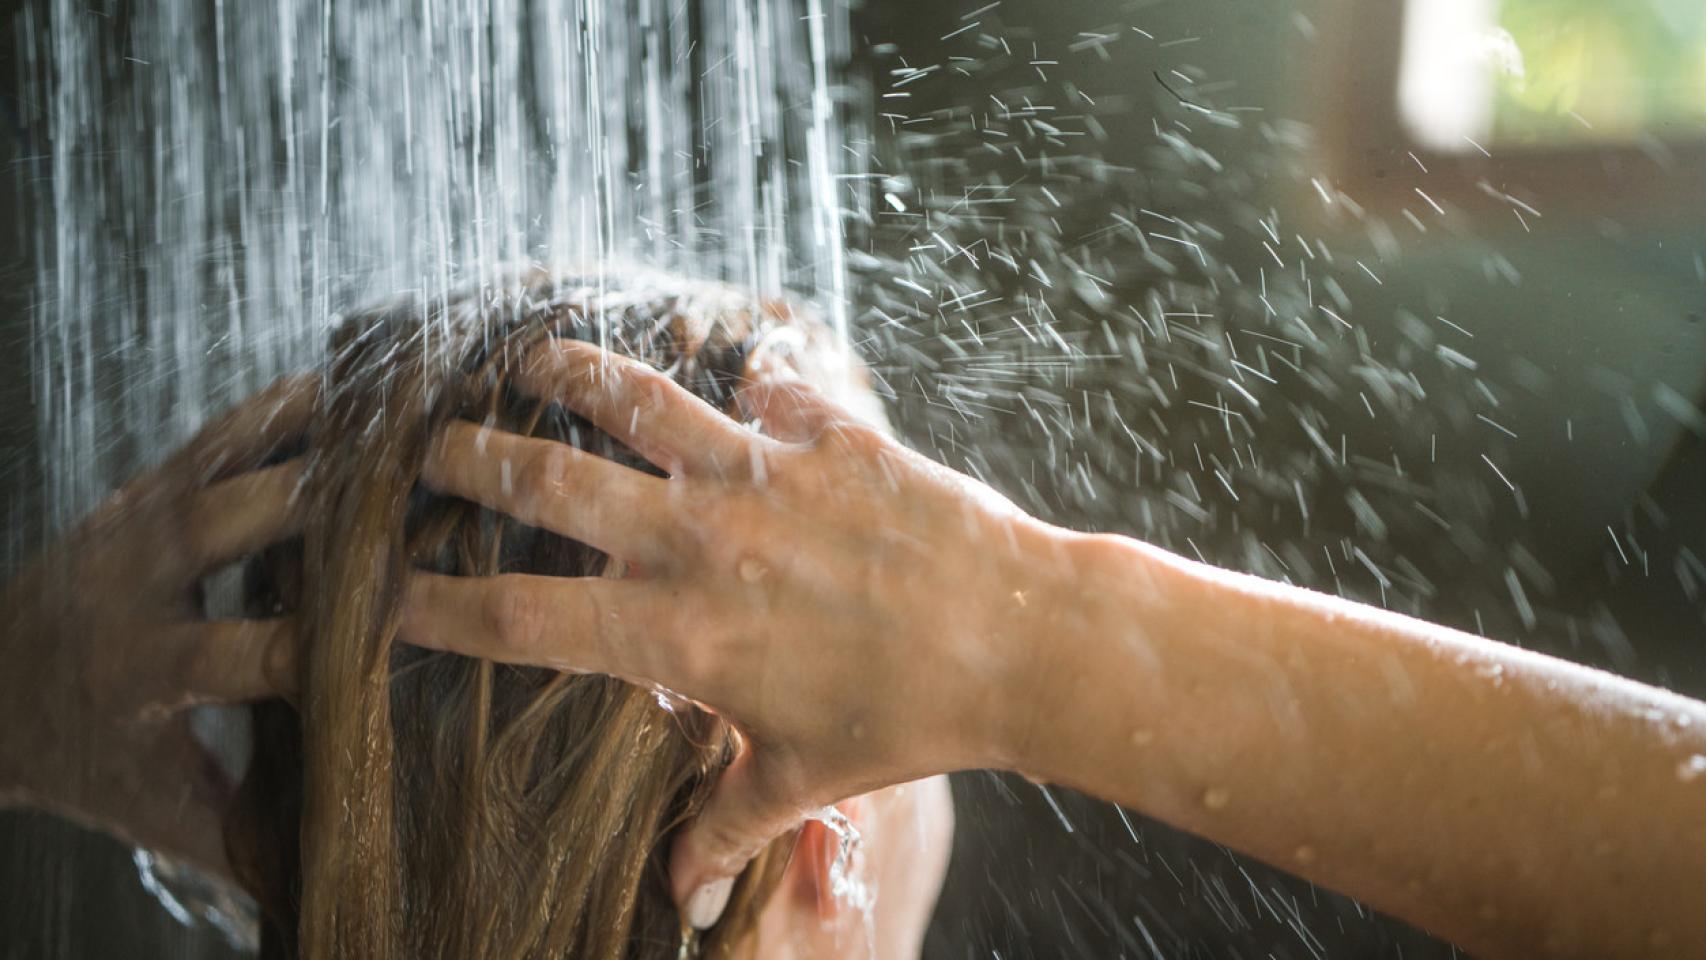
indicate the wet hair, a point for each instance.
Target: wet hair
{"x":416,"y":804}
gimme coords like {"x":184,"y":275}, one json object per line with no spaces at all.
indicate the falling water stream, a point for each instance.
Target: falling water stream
{"x":246,"y":171}
{"x":1139,"y":339}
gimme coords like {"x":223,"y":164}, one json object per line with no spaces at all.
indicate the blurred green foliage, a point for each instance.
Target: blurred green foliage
{"x":1600,"y":70}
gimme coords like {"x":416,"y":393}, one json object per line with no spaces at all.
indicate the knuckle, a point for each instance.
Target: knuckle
{"x":192,"y":533}
{"x":196,"y":664}
{"x":856,"y":438}
{"x":514,"y":618}
{"x":645,"y":387}
{"x":541,"y":478}
{"x":278,"y":661}
{"x":609,"y":634}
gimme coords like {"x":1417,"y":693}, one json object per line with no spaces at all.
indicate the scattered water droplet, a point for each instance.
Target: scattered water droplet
{"x":752,"y":570}
{"x":1691,"y":769}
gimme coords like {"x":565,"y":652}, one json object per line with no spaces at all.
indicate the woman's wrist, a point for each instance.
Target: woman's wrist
{"x":1081,"y":614}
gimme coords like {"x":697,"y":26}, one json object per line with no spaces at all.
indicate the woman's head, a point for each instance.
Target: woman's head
{"x":417,"y":804}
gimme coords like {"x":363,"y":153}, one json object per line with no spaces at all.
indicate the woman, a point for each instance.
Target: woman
{"x":407,"y":803}
{"x":865,"y":617}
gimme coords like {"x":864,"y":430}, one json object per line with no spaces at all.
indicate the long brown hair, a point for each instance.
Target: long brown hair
{"x":416,"y":804}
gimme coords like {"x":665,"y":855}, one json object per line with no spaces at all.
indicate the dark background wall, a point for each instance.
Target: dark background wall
{"x":1575,"y":321}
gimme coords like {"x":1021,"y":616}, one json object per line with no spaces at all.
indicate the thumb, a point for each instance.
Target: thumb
{"x":746,"y":811}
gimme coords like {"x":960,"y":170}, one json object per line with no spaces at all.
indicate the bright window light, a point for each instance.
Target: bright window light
{"x":1445,"y":86}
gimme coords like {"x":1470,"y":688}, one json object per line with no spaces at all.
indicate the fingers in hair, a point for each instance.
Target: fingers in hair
{"x":228,"y":661}
{"x":236,"y":517}
{"x":582,"y":624}
{"x":544,"y":483}
{"x":642,"y":407}
{"x":246,"y":436}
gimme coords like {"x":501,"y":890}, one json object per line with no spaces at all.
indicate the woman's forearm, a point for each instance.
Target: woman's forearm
{"x":1516,"y":804}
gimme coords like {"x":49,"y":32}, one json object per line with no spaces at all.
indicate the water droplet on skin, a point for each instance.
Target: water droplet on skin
{"x":1304,"y":854}
{"x":752,"y":570}
{"x":856,"y":731}
{"x":1142,"y":737}
{"x":1216,"y":798}
{"x":1691,"y":769}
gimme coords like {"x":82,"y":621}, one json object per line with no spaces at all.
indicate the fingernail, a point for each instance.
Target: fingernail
{"x":706,"y":905}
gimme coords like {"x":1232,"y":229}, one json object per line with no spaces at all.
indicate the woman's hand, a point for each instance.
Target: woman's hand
{"x":864,"y":617}
{"x":856,"y":610}
{"x":102,"y":642}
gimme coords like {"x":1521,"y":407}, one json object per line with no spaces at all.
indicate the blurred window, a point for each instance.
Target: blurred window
{"x":1552,"y":73}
